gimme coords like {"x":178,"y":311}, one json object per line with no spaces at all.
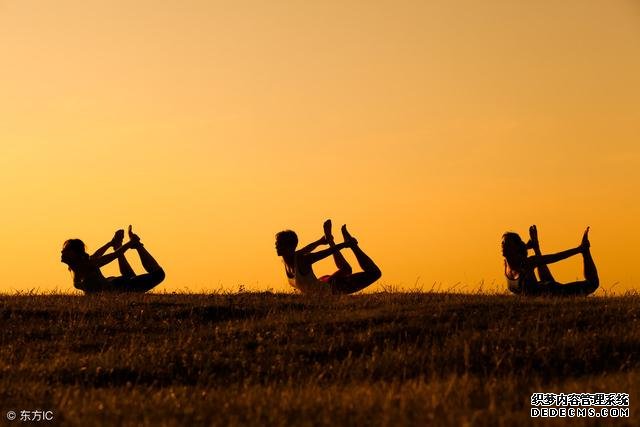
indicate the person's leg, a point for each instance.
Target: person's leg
{"x":143,"y":282}
{"x":148,"y":262}
{"x":357,"y":281}
{"x":592,"y":281}
{"x":584,"y":287}
{"x":344,"y":269}
{"x":580,"y":288}
{"x":155,"y":274}
{"x":123,"y":264}
{"x":366,"y":263}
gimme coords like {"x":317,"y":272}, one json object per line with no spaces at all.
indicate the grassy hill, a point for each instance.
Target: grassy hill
{"x":280,"y":359}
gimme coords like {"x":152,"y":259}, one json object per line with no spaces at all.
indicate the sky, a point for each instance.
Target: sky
{"x":430,"y":127}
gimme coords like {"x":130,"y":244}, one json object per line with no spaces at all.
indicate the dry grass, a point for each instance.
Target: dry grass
{"x":278,"y":359}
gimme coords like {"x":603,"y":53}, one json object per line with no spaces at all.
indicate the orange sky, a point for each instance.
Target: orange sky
{"x":429,"y":126}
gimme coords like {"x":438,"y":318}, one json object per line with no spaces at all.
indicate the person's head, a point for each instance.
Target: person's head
{"x":286,"y":242}
{"x":73,"y":252}
{"x":513,"y":247}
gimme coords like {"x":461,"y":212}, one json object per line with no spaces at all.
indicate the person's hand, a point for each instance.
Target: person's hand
{"x":585,"y":244}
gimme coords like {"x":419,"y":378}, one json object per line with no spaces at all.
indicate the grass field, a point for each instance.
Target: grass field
{"x":278,"y":359}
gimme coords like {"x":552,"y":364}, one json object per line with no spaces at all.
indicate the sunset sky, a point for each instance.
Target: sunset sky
{"x":429,"y":126}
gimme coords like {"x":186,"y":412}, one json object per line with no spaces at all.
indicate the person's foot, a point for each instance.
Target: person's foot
{"x":118,"y":237}
{"x":134,"y":238}
{"x":585,"y":244}
{"x":348,"y":238}
{"x":327,"y":231}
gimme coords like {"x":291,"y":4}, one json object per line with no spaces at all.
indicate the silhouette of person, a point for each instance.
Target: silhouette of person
{"x":519,"y":268}
{"x":86,"y":268}
{"x":299,"y":270}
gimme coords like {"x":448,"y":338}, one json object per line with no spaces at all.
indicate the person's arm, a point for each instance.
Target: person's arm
{"x":314,"y":257}
{"x":537,"y":260}
{"x":106,"y":259}
{"x":98,"y":253}
{"x":311,"y":246}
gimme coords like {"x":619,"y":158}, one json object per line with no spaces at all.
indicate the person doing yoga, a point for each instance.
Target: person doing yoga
{"x":86,"y":268}
{"x":299,"y":263}
{"x":519,"y":268}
